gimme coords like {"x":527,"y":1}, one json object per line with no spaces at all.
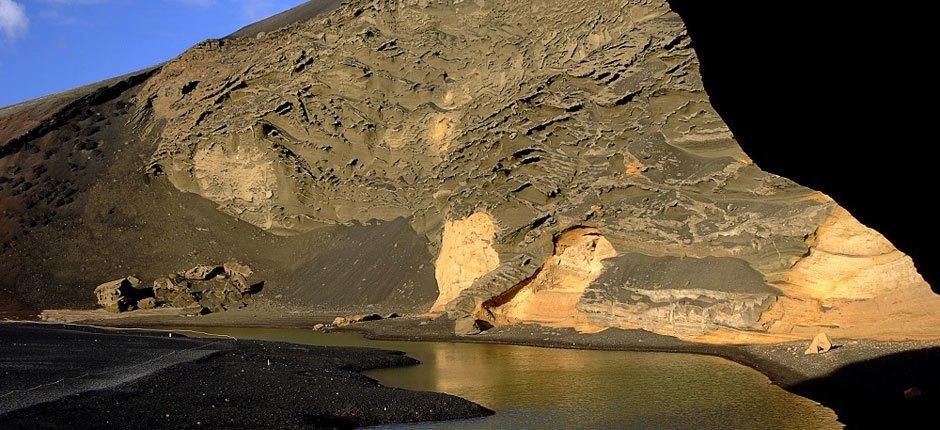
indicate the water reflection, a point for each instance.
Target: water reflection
{"x":555,"y":388}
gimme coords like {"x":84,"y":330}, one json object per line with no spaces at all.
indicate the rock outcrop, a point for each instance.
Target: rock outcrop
{"x":466,"y":254}
{"x":678,"y":295}
{"x":495,"y":144}
{"x":570,"y":173}
{"x":201,"y":290}
{"x":208,"y":288}
{"x":552,"y":294}
{"x":122,"y":294}
{"x":820,"y":344}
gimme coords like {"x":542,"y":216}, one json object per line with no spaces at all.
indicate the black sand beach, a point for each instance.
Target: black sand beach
{"x":58,"y":377}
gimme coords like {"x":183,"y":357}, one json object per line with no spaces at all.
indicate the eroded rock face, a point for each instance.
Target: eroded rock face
{"x":496,"y":142}
{"x":848,"y":261}
{"x":552,"y":294}
{"x":466,"y":254}
{"x":570,"y":173}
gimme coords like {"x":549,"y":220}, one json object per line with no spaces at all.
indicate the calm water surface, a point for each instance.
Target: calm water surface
{"x":556,"y":388}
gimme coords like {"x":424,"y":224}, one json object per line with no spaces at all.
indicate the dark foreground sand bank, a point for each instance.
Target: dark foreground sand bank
{"x":64,"y":377}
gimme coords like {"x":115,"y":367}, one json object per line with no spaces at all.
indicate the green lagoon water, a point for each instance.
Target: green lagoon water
{"x":548,"y":388}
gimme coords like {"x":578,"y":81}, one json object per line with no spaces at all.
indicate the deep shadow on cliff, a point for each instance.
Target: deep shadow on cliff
{"x":831,"y":96}
{"x":896,"y":391}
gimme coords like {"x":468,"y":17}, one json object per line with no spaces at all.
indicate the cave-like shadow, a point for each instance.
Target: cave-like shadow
{"x":824,"y":93}
{"x":900,"y":390}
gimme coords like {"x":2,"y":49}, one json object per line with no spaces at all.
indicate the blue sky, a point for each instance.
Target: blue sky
{"x":47,"y":46}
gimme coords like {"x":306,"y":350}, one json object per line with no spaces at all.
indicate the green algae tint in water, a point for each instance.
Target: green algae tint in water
{"x":559,"y":388}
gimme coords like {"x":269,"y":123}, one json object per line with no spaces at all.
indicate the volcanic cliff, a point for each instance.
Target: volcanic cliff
{"x":494,"y":161}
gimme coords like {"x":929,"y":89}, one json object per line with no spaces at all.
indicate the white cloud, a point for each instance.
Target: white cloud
{"x":13,"y":21}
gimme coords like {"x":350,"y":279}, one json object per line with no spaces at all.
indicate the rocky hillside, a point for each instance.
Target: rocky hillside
{"x":498,"y":162}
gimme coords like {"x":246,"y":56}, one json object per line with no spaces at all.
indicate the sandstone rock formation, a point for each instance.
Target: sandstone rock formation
{"x":121,"y":294}
{"x":551,"y":296}
{"x":820,"y":344}
{"x":691,"y":295}
{"x":466,"y":254}
{"x":570,"y":173}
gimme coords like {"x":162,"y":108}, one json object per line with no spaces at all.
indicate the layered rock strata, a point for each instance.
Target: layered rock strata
{"x":570,"y":172}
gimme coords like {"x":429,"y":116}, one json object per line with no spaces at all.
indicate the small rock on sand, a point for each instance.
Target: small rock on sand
{"x":366,"y":318}
{"x":147,"y":303}
{"x":820,"y":344}
{"x":470,"y":326}
{"x":342,"y":321}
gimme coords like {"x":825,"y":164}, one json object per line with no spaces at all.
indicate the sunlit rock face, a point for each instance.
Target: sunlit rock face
{"x":497,"y":137}
{"x":561,"y":158}
{"x":466,"y":254}
{"x":551,"y":295}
